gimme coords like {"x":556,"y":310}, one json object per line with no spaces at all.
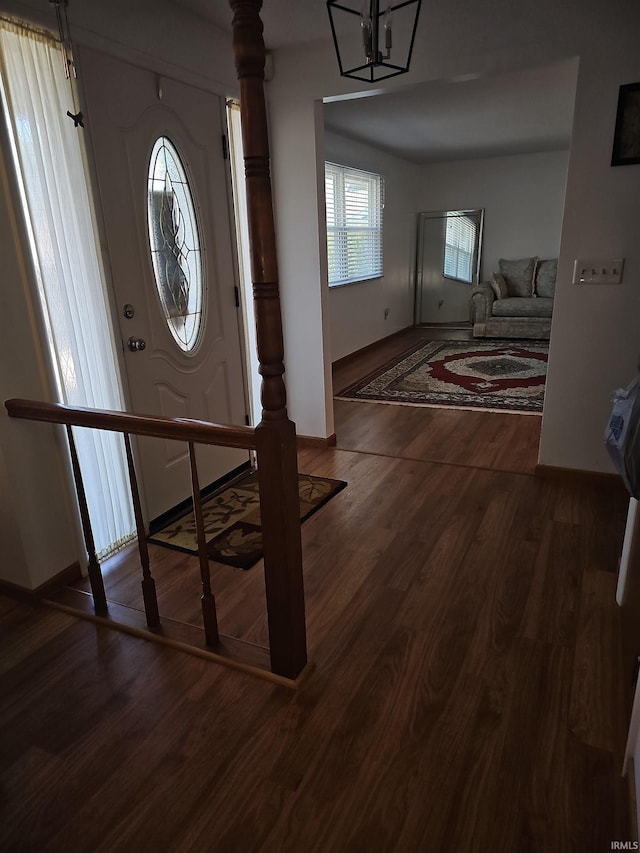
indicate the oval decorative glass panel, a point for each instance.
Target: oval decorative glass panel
{"x":175,"y":244}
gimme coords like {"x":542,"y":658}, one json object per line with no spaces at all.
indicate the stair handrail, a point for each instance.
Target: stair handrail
{"x":285,"y":611}
{"x":180,"y":429}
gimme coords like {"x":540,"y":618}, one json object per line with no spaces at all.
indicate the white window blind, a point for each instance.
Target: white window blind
{"x":459,"y":246}
{"x":354,"y":202}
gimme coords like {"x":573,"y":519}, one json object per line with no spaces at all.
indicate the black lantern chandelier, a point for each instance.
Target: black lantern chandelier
{"x":373,"y":40}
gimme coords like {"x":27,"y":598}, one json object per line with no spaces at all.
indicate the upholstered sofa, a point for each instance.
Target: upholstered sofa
{"x":517,"y":302}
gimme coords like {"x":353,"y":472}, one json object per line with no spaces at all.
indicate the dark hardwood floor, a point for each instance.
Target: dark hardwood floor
{"x":467,"y":689}
{"x":497,"y":440}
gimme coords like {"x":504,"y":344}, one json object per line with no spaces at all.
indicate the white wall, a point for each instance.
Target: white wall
{"x":302,"y":264}
{"x":357,"y":310}
{"x":523,"y":199}
{"x":596,"y":329}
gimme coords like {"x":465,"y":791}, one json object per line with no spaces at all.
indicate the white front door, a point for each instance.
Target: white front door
{"x":162,"y":178}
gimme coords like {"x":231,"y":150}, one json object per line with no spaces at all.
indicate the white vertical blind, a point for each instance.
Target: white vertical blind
{"x":354,"y":202}
{"x":59,"y":217}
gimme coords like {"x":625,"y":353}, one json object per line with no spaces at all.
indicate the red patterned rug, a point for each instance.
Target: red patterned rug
{"x":490,"y":375}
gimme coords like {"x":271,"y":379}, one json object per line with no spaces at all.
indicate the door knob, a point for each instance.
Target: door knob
{"x":136,"y":344}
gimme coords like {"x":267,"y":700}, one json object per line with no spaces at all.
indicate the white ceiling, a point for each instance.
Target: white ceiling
{"x":286,"y":22}
{"x":522,"y":112}
{"x":518,"y":113}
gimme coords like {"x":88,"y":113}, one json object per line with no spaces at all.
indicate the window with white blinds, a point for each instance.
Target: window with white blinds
{"x":459,"y":248}
{"x":354,"y":201}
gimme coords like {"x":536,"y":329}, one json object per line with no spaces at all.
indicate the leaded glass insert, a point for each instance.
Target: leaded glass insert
{"x":175,"y":244}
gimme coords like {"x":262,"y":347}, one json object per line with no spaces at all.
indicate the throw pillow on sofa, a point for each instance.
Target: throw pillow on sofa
{"x":546,"y":278}
{"x":518,"y":275}
{"x":499,"y":285}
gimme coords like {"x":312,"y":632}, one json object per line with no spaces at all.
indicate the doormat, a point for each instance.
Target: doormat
{"x":232,"y":520}
{"x":497,"y":376}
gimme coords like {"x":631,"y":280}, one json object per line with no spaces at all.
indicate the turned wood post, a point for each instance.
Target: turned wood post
{"x":209,"y":615}
{"x":275,"y":434}
{"x":93,"y":567}
{"x":149,"y":595}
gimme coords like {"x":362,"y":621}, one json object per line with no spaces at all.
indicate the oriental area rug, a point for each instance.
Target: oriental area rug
{"x":501,"y":376}
{"x":232,"y":520}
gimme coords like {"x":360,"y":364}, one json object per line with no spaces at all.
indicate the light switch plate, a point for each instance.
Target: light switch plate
{"x":598,"y":271}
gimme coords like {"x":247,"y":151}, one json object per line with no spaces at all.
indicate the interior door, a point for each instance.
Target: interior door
{"x":168,"y":231}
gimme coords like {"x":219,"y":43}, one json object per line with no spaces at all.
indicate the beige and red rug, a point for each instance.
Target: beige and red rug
{"x":503,"y":376}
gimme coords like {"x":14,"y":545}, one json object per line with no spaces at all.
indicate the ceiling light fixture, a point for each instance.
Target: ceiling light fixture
{"x":382,"y":37}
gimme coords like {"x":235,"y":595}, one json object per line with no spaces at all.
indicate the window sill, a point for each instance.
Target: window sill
{"x":334,"y":284}
{"x":453,"y":278}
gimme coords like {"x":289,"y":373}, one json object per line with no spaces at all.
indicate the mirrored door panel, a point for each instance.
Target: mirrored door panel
{"x":447,"y":265}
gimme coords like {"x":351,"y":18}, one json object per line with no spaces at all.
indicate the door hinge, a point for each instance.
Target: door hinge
{"x":236,"y":294}
{"x":225,"y":147}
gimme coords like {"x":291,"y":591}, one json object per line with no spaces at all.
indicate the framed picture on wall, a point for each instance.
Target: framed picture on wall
{"x":626,"y":140}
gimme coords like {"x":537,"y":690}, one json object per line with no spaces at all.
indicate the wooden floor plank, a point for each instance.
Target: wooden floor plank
{"x":467,"y":689}
{"x":502,"y":441}
{"x":595,"y":719}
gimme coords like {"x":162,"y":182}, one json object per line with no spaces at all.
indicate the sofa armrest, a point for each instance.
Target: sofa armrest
{"x":482,"y":297}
